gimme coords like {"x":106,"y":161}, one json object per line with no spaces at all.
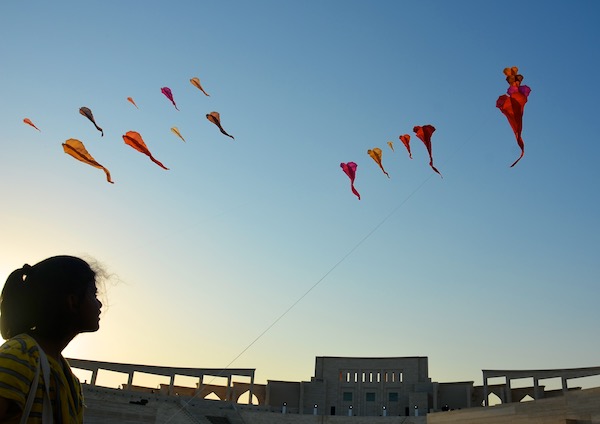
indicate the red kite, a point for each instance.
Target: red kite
{"x":88,"y":114}
{"x":130,"y":100}
{"x":167,"y":92}
{"x":376,"y":155}
{"x":350,"y":170}
{"x":135,"y":140}
{"x":512,"y":105}
{"x":405,"y":139}
{"x":196,"y":83}
{"x":28,"y":122}
{"x":76,"y":149}
{"x":215,"y":118}
{"x":424,"y":133}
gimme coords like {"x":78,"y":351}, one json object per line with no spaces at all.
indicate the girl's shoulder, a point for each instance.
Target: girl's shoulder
{"x":21,"y":344}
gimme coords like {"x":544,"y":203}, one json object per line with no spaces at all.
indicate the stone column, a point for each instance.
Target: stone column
{"x":199,"y":385}
{"x":130,"y":379}
{"x":94,"y":376}
{"x":228,"y":395}
{"x":485,"y":391}
{"x":536,"y":388}
{"x":171,"y":384}
{"x":508,"y":391}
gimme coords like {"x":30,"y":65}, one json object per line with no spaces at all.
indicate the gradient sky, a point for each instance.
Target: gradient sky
{"x":489,"y":267}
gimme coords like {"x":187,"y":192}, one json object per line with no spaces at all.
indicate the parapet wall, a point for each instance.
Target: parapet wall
{"x":580,"y":407}
{"x":275,"y":418}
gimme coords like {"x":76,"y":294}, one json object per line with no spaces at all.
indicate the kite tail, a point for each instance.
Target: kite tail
{"x":158,"y":163}
{"x":355,"y":191}
{"x":108,"y":175}
{"x":435,"y":169}
{"x":522,"y":146}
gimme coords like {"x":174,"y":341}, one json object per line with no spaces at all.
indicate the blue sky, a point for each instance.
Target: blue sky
{"x":488,"y":267}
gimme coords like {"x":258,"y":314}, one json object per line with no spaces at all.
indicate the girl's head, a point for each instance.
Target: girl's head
{"x":53,"y":298}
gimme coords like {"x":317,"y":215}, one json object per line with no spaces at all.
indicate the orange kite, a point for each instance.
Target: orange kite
{"x":130,"y":100}
{"x":175,"y":131}
{"x":76,"y":149}
{"x":28,"y":122}
{"x":512,"y":104}
{"x":376,"y":155}
{"x":215,"y":118}
{"x":196,"y":83}
{"x":405,"y":139}
{"x":135,"y":140}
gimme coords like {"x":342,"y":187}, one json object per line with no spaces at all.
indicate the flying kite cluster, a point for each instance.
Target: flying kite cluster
{"x":76,"y":148}
{"x":424,"y":133}
{"x":511,"y":105}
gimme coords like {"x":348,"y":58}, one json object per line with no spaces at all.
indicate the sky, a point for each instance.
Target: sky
{"x":253,"y":252}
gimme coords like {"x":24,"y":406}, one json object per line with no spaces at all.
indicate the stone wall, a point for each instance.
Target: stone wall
{"x":275,"y":418}
{"x":577,"y":407}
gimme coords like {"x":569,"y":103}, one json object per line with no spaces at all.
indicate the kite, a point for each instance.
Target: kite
{"x":391,"y":144}
{"x":350,"y":170}
{"x":167,"y":92}
{"x":424,"y":133}
{"x":513,"y":103}
{"x":376,"y":155}
{"x":215,"y":118}
{"x":28,"y":122}
{"x":196,"y":83}
{"x":88,"y":114}
{"x":134,"y":139}
{"x":175,"y":131}
{"x":76,"y":149}
{"x":130,"y":100}
{"x":405,"y":139}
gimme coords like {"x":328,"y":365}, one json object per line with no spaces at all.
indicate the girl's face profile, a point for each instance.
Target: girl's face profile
{"x":89,"y":309}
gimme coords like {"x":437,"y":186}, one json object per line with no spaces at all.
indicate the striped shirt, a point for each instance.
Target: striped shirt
{"x":19,"y":358}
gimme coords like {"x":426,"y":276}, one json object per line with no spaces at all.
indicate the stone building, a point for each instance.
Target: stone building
{"x":395,"y":390}
{"x":359,"y":386}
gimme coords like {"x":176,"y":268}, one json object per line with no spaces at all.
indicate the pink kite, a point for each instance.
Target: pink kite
{"x":167,"y":92}
{"x":405,"y":139}
{"x":350,"y":170}
{"x":376,"y":155}
{"x":424,"y":133}
{"x":512,"y":104}
{"x":28,"y":122}
{"x":130,"y":100}
{"x":135,"y":140}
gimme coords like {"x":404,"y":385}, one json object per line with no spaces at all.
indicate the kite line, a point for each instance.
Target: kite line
{"x":310,"y":289}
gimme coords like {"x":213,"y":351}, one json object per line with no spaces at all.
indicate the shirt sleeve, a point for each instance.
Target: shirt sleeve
{"x":17,"y":370}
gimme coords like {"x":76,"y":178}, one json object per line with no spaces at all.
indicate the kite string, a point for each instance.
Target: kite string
{"x":352,"y":250}
{"x":338,"y":263}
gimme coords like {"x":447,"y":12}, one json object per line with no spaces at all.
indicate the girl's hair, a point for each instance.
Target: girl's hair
{"x":34,"y":297}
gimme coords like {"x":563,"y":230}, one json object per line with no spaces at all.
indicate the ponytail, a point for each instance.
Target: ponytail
{"x":16,"y":304}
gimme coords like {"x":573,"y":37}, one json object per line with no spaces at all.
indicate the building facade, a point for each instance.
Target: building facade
{"x":359,"y":386}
